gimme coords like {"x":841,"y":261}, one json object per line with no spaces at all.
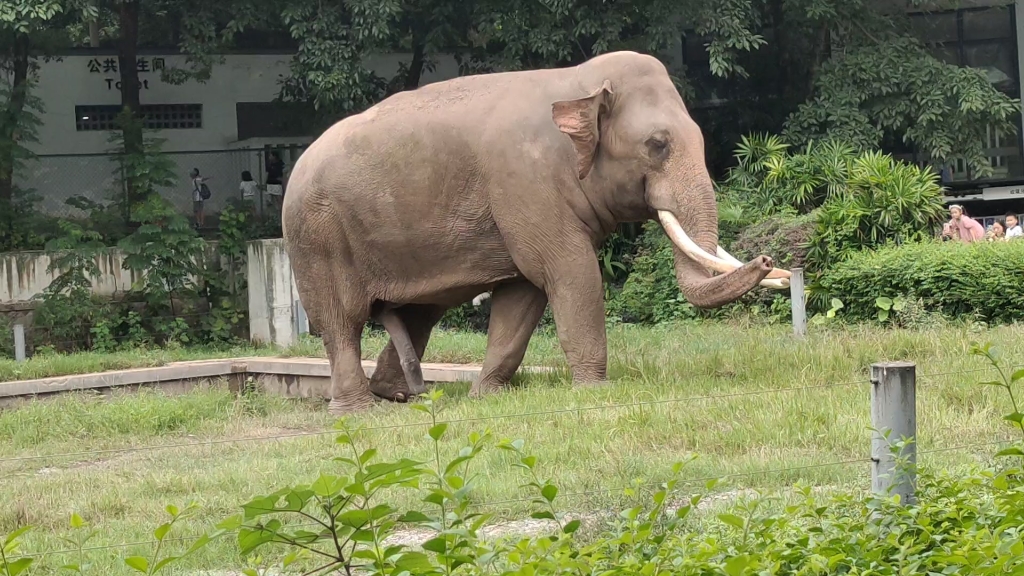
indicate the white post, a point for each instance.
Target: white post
{"x":799,"y":302}
{"x":271,"y":294}
{"x":894,"y":411}
{"x":301,"y":320}
{"x":19,"y":343}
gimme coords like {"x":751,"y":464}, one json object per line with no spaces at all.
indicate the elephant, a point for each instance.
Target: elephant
{"x":501,"y":184}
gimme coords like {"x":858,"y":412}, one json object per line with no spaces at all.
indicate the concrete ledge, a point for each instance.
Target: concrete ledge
{"x":292,"y":377}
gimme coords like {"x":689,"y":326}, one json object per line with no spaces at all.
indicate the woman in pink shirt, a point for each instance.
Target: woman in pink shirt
{"x":961,"y":227}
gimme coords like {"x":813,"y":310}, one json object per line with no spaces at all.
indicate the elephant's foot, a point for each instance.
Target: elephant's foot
{"x":392,"y":391}
{"x":351,"y":405}
{"x":590,"y":379}
{"x":592,"y":383}
{"x":483,"y":388}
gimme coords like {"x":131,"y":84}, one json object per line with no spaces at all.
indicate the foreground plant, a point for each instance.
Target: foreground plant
{"x":11,"y":564}
{"x":1007,"y":381}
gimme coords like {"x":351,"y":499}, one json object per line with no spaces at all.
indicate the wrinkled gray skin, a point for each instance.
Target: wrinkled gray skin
{"x":503,"y":183}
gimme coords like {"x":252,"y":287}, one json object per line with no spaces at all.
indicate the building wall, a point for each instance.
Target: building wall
{"x":91,"y":78}
{"x":72,"y":162}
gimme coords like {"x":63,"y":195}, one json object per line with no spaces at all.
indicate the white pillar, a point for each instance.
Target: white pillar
{"x":272,"y":294}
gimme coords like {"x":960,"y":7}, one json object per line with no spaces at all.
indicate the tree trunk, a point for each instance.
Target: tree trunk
{"x":127,"y":57}
{"x":781,"y":50}
{"x":13,"y":111}
{"x":412,"y":79}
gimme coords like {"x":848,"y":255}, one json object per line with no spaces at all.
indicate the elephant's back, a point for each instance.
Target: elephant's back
{"x":403,"y":195}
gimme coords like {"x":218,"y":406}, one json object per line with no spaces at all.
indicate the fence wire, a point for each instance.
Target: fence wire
{"x":54,"y":179}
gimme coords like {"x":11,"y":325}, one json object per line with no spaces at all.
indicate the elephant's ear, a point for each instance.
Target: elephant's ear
{"x":580,"y":119}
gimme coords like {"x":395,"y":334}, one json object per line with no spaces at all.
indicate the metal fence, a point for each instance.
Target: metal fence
{"x":56,"y":178}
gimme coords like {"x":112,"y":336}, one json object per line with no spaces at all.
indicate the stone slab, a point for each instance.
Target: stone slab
{"x":305,"y":377}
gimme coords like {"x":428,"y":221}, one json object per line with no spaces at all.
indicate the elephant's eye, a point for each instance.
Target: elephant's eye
{"x":657,"y":145}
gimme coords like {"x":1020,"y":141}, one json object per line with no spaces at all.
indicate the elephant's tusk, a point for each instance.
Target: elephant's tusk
{"x":689,"y":247}
{"x":775,"y":284}
{"x":775,"y":274}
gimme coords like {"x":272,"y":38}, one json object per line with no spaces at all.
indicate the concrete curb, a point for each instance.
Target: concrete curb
{"x":295,"y":377}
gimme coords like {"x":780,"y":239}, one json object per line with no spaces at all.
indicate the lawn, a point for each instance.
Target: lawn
{"x":758,"y":407}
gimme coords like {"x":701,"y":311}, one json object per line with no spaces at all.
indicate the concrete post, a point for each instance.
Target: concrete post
{"x":894,"y":410}
{"x":301,"y":321}
{"x":272,"y":294}
{"x":19,"y":343}
{"x":799,"y":302}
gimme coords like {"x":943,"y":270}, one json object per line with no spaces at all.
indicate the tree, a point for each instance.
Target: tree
{"x":28,"y":28}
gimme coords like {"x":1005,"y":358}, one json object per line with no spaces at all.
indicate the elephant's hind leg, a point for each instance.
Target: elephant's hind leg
{"x":350,"y":391}
{"x":340,"y":312}
{"x":516,"y":310}
{"x":389,"y":379}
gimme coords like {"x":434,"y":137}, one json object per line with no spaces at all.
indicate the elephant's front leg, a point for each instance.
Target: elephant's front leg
{"x":515,"y":311}
{"x":388,"y":380}
{"x":576,"y":291}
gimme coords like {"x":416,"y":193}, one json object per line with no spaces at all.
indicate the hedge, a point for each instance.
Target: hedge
{"x":983,"y":279}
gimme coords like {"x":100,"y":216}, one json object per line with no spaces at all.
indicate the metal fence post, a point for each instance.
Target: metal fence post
{"x":894,"y":410}
{"x":19,"y":343}
{"x":301,"y":320}
{"x":799,"y":302}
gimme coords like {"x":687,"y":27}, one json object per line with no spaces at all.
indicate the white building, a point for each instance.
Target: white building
{"x":222,"y":126}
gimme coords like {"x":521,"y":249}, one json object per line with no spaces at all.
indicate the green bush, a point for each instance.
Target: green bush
{"x":651,"y":294}
{"x":983,"y":279}
{"x":784,"y":237}
{"x":858,"y":199}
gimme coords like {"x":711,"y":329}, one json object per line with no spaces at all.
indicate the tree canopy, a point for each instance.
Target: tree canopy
{"x":858,"y":70}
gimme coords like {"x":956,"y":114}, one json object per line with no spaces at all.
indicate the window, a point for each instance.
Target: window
{"x":984,"y":39}
{"x":155,"y":117}
{"x":980,"y":38}
{"x":274,"y":119}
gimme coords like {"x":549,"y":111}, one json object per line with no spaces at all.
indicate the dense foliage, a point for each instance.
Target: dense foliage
{"x":955,"y":279}
{"x":811,"y":209}
{"x":860,"y":199}
{"x":184,"y":290}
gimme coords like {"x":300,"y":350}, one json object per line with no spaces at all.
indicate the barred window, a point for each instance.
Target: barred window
{"x":155,"y":117}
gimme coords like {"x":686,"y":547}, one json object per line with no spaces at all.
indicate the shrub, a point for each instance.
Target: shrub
{"x":956,"y":279}
{"x":885,"y":201}
{"x":783,"y":237}
{"x":651,"y":293}
{"x":859,"y":199}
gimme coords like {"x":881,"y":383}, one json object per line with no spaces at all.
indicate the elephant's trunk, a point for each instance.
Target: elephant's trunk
{"x":697,"y":257}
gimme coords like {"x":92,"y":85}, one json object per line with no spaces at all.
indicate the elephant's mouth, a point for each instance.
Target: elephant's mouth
{"x":722,"y":262}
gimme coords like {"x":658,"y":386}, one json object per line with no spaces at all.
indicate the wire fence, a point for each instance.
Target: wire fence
{"x":928,"y":378}
{"x":55,"y":179}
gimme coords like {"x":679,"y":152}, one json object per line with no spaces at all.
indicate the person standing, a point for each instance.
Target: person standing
{"x":249,"y":190}
{"x":1013,"y":229}
{"x":962,"y":227}
{"x":275,"y":176}
{"x":198,"y":201}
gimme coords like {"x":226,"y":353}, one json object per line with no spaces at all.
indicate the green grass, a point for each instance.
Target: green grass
{"x":698,"y":383}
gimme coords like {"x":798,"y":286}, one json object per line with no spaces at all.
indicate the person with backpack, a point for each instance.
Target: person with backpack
{"x":200,"y":194}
